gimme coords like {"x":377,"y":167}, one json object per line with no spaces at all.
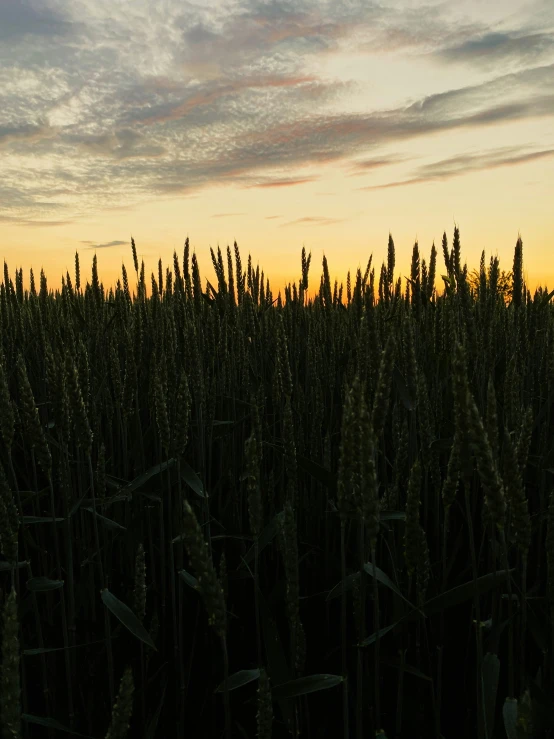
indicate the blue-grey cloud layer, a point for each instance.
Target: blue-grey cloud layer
{"x":107,"y":104}
{"x":22,"y":19}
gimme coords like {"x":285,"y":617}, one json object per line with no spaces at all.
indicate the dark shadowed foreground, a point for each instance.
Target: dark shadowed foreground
{"x":224,"y":514}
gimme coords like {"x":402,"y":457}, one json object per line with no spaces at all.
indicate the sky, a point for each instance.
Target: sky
{"x":324,"y":124}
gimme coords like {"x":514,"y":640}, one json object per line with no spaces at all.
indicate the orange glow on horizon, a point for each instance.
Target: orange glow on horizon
{"x":278,"y":129}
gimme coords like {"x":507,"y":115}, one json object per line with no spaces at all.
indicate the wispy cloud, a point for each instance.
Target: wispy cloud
{"x":367,"y":165}
{"x":286,"y":182}
{"x":105,"y":245}
{"x":495,"y":48}
{"x":459,"y":165}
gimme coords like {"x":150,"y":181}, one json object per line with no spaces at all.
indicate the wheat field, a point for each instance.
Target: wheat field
{"x":225,"y":513}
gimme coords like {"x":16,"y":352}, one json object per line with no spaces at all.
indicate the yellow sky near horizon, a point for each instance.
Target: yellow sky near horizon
{"x":320,"y":124}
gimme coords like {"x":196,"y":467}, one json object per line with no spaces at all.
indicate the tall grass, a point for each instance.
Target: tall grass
{"x":277,"y":515}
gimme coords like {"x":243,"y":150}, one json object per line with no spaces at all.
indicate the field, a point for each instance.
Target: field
{"x":226,"y":513}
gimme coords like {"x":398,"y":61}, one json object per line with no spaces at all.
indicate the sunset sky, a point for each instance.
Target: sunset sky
{"x":278,"y":124}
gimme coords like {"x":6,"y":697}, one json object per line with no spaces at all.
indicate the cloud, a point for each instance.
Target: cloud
{"x":419,"y":30}
{"x":499,"y":47}
{"x":106,"y":245}
{"x":288,"y":182}
{"x":269,"y":34}
{"x":367,"y":165}
{"x":140,"y":101}
{"x":24,"y":18}
{"x":25,"y":202}
{"x":211,"y":94}
{"x":123,"y":144}
{"x":28,"y":133}
{"x":464,"y":163}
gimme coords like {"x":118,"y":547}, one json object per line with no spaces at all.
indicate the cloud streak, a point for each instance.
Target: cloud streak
{"x":494,"y":48}
{"x":287,"y":182}
{"x":106,"y":245}
{"x":460,"y":165}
